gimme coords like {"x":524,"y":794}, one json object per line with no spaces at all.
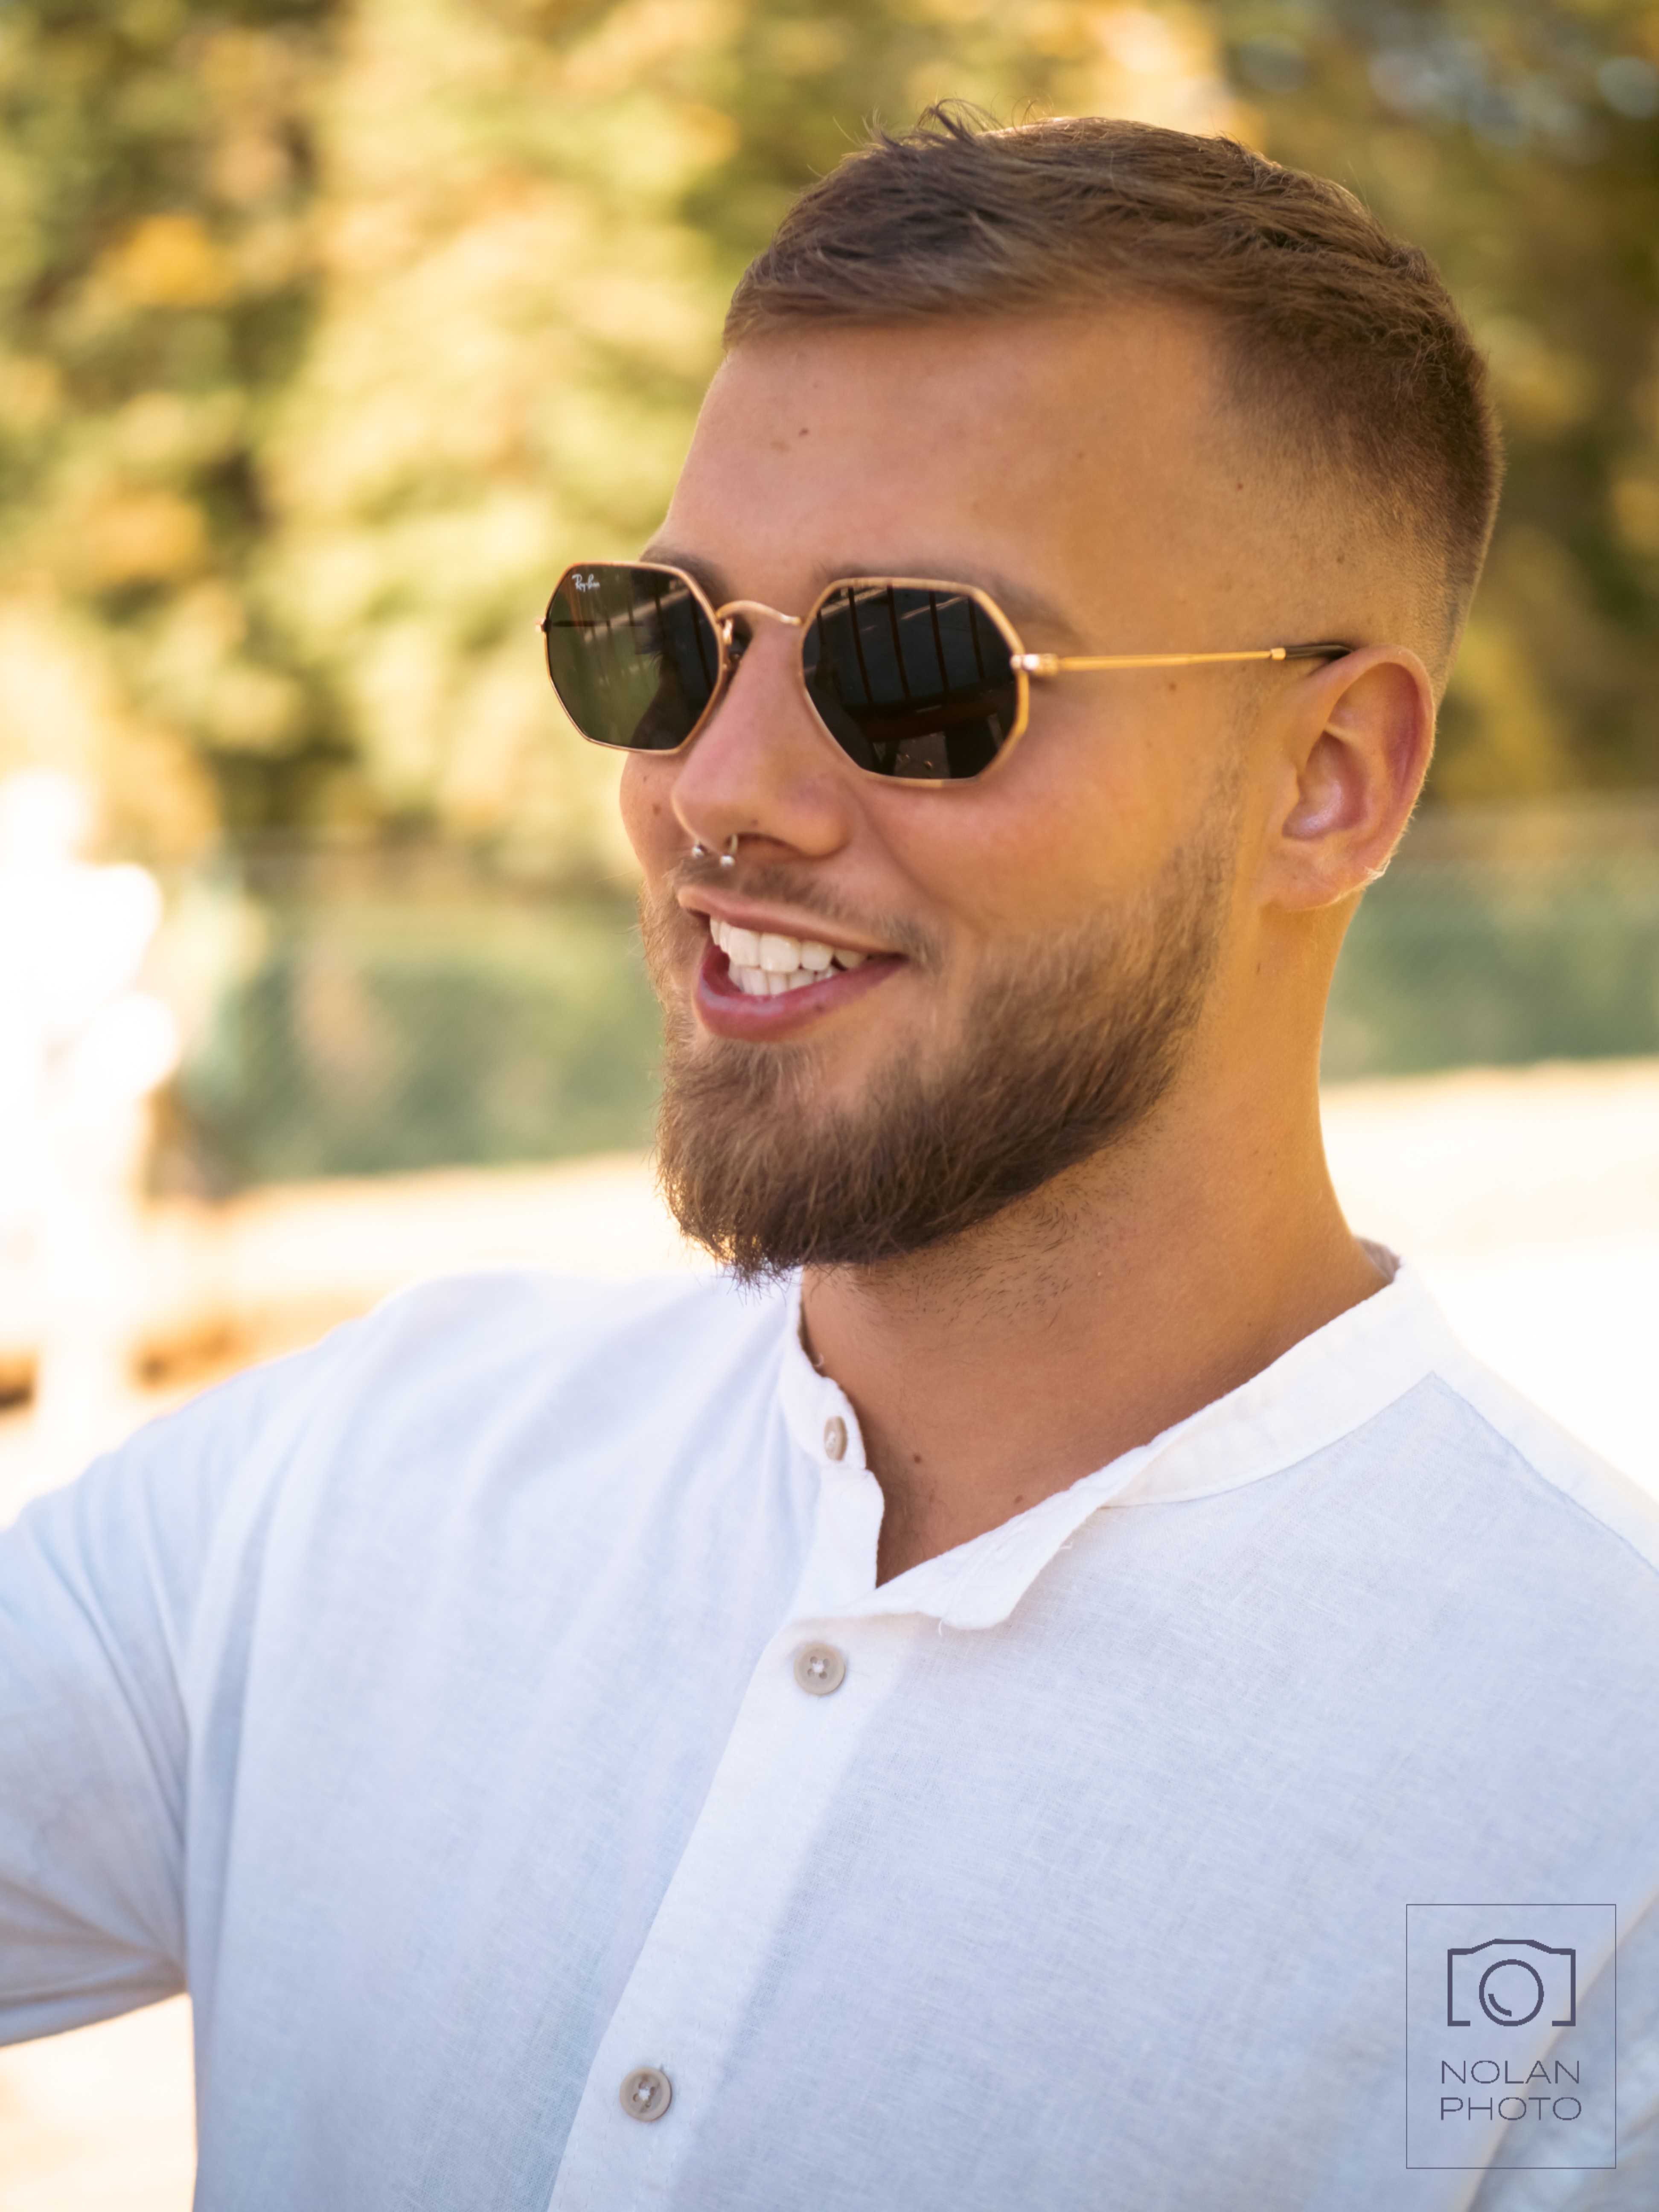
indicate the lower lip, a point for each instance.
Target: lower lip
{"x":728,"y":1011}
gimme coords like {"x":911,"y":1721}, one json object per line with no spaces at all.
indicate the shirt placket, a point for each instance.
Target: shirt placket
{"x":810,"y":1703}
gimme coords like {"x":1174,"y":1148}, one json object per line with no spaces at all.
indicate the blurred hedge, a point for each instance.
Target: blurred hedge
{"x":362,"y":1008}
{"x":327,"y":334}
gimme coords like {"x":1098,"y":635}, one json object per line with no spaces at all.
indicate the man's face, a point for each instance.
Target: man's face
{"x":1041,"y":941}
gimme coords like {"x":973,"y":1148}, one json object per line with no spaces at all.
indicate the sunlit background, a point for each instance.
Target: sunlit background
{"x":328,"y":334}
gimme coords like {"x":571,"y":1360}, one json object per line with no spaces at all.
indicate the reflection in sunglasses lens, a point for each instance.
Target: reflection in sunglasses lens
{"x":911,"y":682}
{"x":633,"y":655}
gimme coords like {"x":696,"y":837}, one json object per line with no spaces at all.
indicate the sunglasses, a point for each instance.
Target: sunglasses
{"x":921,"y":681}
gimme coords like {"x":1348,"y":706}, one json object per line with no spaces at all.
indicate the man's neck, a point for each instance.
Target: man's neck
{"x":990,"y":1372}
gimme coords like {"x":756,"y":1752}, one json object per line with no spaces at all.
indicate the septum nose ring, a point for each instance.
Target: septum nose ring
{"x":728,"y":852}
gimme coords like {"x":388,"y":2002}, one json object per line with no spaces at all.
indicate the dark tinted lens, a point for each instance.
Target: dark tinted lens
{"x":633,"y":656}
{"x":912,"y":682}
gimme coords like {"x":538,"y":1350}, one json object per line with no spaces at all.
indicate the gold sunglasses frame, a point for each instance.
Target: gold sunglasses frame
{"x":1023,"y":664}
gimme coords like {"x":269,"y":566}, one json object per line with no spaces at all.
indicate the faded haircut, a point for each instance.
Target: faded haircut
{"x":1341,"y":340}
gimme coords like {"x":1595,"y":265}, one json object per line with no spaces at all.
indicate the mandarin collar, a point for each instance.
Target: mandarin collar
{"x":1322,"y":1390}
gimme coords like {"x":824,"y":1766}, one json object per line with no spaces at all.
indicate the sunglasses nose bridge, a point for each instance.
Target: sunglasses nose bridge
{"x":736,"y":623}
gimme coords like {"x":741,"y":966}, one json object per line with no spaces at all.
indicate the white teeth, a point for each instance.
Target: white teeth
{"x":764,"y":965}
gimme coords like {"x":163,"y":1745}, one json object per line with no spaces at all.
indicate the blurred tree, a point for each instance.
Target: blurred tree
{"x":328,"y":333}
{"x":1519,"y":143}
{"x":156,"y":282}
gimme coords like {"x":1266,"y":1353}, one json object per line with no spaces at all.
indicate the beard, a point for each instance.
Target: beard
{"x":1067,"y":1045}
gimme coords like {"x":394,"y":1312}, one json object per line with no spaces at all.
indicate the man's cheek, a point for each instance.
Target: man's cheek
{"x":646,"y":797}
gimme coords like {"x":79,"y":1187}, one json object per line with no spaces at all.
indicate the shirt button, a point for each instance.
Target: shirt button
{"x":819,"y":1668}
{"x":646,"y":2093}
{"x":834,"y":1437}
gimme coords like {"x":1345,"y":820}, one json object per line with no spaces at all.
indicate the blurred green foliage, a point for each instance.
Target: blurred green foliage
{"x":1519,"y":143}
{"x":409,"y":1008}
{"x":329,"y":333}
{"x":385,"y":1026}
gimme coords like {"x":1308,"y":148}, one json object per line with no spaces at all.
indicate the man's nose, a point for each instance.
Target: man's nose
{"x":763,"y":767}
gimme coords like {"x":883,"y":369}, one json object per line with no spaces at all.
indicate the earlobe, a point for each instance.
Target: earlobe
{"x":1362,"y":733}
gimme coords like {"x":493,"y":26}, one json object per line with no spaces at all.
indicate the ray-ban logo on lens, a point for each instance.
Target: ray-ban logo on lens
{"x":1511,"y":1984}
{"x":1511,"y":2054}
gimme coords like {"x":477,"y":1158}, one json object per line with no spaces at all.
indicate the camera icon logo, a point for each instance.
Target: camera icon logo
{"x":1512,"y":1984}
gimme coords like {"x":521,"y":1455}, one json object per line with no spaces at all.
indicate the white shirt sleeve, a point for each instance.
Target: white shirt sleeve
{"x":101,"y":1586}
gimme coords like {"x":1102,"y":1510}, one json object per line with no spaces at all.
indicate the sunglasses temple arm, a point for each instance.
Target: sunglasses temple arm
{"x":1057,"y":664}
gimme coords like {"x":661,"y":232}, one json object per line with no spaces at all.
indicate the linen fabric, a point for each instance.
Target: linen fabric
{"x":427,"y":1705}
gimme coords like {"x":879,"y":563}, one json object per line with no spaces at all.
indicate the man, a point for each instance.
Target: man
{"x":961,"y":1709}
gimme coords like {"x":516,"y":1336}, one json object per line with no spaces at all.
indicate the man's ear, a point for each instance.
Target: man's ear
{"x":1359,"y":736}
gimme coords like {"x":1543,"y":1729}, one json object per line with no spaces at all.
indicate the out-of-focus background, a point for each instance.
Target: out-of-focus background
{"x":330,"y":332}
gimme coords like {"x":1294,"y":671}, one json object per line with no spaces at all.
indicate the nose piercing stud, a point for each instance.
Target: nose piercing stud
{"x":728,"y":852}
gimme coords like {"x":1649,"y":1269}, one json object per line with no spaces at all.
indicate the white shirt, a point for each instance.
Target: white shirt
{"x":428,"y":1704}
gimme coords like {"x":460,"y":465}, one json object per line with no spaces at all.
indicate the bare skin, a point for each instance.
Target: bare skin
{"x":1085,"y":471}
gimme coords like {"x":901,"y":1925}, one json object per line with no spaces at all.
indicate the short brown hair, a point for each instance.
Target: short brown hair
{"x":1342,"y":338}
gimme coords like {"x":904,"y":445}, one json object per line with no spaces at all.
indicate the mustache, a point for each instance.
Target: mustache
{"x":783,"y":884}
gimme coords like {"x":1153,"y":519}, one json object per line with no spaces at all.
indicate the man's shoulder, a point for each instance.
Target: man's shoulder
{"x":1477,"y":1424}
{"x":538,"y":1379}
{"x":461,"y":1334}
{"x":537,"y":1303}
{"x":433,"y":1366}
